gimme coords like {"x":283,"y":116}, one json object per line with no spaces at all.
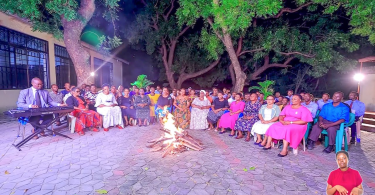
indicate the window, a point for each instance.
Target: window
{"x":65,"y":72}
{"x":22,"y":57}
{"x":103,"y":72}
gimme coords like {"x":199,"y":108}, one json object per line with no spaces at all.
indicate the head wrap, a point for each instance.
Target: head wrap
{"x":205,"y":98}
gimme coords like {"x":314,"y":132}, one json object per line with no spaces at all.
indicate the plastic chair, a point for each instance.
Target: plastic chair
{"x":340,"y":134}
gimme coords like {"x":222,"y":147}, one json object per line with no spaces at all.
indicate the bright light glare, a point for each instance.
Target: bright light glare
{"x":92,"y":74}
{"x":359,"y":77}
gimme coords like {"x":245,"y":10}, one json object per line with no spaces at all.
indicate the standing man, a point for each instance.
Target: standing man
{"x":290,"y":95}
{"x":83,"y":90}
{"x":36,"y":97}
{"x":57,"y":97}
{"x":66,"y":90}
{"x":325,"y":100}
{"x":309,"y":104}
{"x":215,"y":91}
{"x":330,"y":118}
{"x":358,"y":108}
{"x":158,"y":90}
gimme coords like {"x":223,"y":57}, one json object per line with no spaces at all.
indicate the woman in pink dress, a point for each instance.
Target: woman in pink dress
{"x":228,"y":120}
{"x":292,"y":126}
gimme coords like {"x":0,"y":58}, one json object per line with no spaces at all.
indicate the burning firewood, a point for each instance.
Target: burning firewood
{"x":174,"y":140}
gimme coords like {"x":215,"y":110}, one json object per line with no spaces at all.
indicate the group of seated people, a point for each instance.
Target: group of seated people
{"x":274,"y":118}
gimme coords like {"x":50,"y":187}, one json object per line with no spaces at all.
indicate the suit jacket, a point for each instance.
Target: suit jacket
{"x":73,"y":102}
{"x":26,"y":98}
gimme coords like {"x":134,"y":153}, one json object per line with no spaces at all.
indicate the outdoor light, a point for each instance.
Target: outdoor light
{"x":359,"y":77}
{"x":92,"y":74}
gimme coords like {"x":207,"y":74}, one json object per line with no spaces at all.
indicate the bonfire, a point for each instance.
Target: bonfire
{"x":174,"y":140}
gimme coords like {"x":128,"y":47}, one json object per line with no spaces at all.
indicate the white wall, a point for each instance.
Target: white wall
{"x":367,"y":92}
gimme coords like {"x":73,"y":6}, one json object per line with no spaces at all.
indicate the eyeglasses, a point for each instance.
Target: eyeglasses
{"x":78,"y":91}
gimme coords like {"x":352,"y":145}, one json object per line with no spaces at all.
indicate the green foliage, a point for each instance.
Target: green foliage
{"x":264,"y":87}
{"x":142,"y":81}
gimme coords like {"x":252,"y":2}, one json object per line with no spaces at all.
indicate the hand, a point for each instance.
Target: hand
{"x":63,"y":105}
{"x":34,"y":106}
{"x":325,"y":126}
{"x":131,"y":107}
{"x":263,"y":121}
{"x":123,"y":107}
{"x":354,"y":191}
{"x":341,"y":190}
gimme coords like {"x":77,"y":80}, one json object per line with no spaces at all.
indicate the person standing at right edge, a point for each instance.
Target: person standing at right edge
{"x":358,"y":108}
{"x":330,"y":118}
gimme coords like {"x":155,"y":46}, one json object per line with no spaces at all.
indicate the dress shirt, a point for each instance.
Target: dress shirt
{"x":333,"y":114}
{"x":312,"y":106}
{"x":321,"y":103}
{"x":358,"y":107}
{"x":41,"y":98}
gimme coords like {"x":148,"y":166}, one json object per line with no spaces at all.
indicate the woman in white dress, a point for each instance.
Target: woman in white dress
{"x":200,"y":107}
{"x":268,"y":114}
{"x":107,"y":107}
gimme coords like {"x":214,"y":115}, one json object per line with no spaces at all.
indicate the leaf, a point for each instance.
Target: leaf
{"x":252,"y":168}
{"x":6,"y":173}
{"x":146,"y":168}
{"x":244,"y":169}
{"x":26,"y":190}
{"x":101,"y":191}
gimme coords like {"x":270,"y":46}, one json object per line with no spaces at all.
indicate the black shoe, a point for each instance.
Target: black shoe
{"x":281,"y":155}
{"x":329,"y":149}
{"x":310,"y":144}
{"x":352,"y":140}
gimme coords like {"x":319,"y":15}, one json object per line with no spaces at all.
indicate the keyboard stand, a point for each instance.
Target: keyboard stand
{"x":41,"y":128}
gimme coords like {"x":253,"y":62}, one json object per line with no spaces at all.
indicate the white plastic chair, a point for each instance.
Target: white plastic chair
{"x":72,"y":123}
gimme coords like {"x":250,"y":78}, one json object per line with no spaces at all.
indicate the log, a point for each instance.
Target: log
{"x":191,"y":146}
{"x":154,"y":140}
{"x":157,"y":149}
{"x":189,"y":142}
{"x":161,"y":140}
{"x":168,"y":150}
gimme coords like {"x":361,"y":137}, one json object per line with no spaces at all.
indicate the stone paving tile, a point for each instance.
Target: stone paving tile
{"x":119,"y":162}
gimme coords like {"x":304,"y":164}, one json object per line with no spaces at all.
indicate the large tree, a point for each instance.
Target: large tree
{"x":66,"y":20}
{"x":173,"y":46}
{"x":259,"y":30}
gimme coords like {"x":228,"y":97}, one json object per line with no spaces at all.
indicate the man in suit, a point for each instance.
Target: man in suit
{"x":36,"y":97}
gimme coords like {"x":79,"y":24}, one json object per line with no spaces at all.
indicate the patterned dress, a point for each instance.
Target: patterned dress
{"x":251,"y":109}
{"x":182,"y":117}
{"x":214,"y":117}
{"x":198,"y":116}
{"x":85,"y":118}
{"x":142,"y":112}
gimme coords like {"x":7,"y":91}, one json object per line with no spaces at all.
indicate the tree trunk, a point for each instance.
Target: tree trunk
{"x":72,"y":39}
{"x":232,"y":75}
{"x":240,"y":75}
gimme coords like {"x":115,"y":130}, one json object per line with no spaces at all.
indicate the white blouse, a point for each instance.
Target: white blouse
{"x":105,"y":99}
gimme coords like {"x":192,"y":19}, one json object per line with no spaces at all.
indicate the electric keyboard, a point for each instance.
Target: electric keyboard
{"x":21,"y":112}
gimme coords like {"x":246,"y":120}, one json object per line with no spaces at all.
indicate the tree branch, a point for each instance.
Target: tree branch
{"x":267,"y":65}
{"x":216,"y":32}
{"x":296,"y":52}
{"x":195,"y":74}
{"x":239,"y":46}
{"x":289,"y":10}
{"x":182,"y":32}
{"x":250,"y":51}
{"x":169,"y":12}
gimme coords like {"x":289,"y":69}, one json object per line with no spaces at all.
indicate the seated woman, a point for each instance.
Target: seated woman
{"x":200,"y":107}
{"x":127,"y":107}
{"x":164,"y":102}
{"x":284,"y":103}
{"x":344,"y":180}
{"x":292,"y":126}
{"x":85,"y":117}
{"x":229,"y":119}
{"x":182,"y":111}
{"x":250,"y":116}
{"x":154,"y":98}
{"x":106,"y":105}
{"x":142,"y":106}
{"x":268,"y":114}
{"x":217,"y":110}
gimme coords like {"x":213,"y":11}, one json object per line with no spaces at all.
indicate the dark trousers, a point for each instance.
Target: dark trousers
{"x":92,"y":107}
{"x":35,"y":120}
{"x":332,"y":131}
{"x":353,"y":127}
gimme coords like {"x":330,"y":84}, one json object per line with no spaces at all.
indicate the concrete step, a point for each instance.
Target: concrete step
{"x":368,"y":127}
{"x":369,"y":115}
{"x":369,"y":121}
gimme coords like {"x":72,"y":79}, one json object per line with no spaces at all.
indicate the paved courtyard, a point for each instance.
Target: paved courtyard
{"x":119,"y":163}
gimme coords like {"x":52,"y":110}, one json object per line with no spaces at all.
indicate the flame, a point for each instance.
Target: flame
{"x":169,"y":124}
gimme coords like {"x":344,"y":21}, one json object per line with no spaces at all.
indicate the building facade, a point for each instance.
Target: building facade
{"x":25,"y":54}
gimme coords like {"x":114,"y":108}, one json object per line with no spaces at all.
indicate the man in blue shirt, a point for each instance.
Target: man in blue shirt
{"x":330,"y":118}
{"x":358,"y":108}
{"x":290,"y":95}
{"x":312,"y":106}
{"x":325,"y":100}
{"x":66,"y":90}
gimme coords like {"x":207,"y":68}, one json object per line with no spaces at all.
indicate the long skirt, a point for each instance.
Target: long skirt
{"x":198,"y":119}
{"x":182,"y":118}
{"x":259,"y":128}
{"x":112,"y":116}
{"x":243,"y":124}
{"x":85,"y":118}
{"x":143,"y":113}
{"x":160,"y":111}
{"x":214,"y":117}
{"x":128,"y":112}
{"x":292,"y":133}
{"x":228,"y":121}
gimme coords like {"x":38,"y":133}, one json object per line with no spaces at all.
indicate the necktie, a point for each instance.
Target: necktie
{"x":351,"y":104}
{"x":37,"y":99}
